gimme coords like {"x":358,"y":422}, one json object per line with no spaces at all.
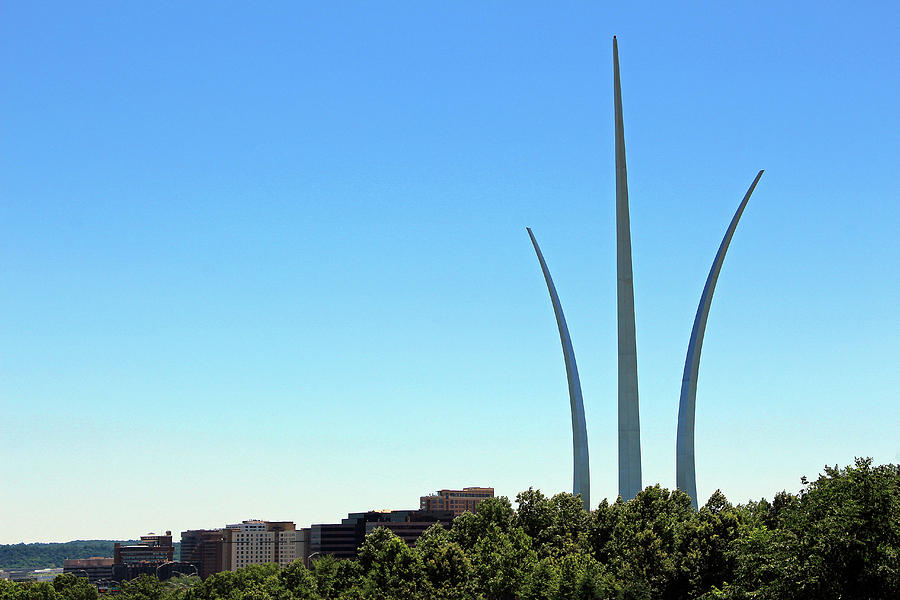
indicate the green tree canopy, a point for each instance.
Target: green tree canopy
{"x":837,"y":539}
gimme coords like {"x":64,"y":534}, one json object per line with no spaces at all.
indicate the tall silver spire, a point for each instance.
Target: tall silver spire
{"x":581,"y":478}
{"x":629,"y":411}
{"x":685,"y":473}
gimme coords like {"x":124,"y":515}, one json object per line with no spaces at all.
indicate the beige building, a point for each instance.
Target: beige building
{"x":456,"y":501}
{"x":258,"y":542}
{"x":94,"y":568}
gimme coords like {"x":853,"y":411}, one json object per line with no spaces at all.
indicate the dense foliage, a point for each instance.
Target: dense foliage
{"x":839,"y":537}
{"x":43,"y":556}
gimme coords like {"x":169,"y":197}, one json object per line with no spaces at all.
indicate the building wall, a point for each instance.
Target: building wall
{"x":94,"y":568}
{"x":409,"y":531}
{"x":30,"y":575}
{"x":338,"y":540}
{"x":250,"y":545}
{"x":258,"y":542}
{"x":204,"y":548}
{"x":344,"y":539}
{"x":456,"y":501}
{"x":240,"y":544}
{"x":143,"y":557}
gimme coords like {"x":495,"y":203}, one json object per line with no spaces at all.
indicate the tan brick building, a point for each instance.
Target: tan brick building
{"x":456,"y":501}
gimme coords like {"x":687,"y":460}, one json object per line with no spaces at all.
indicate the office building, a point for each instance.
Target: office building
{"x":240,"y":544}
{"x":144,"y":558}
{"x":152,"y":548}
{"x":257,"y":542}
{"x":408,"y":525}
{"x":94,"y":568}
{"x":342,"y":540}
{"x":30,"y":575}
{"x":456,"y":501}
{"x":205,"y":549}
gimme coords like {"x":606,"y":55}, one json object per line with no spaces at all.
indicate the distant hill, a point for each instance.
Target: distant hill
{"x":42,"y":556}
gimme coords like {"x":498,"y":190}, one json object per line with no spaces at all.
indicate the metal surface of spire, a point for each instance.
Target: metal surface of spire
{"x":685,"y":472}
{"x":629,"y":411}
{"x":581,"y":478}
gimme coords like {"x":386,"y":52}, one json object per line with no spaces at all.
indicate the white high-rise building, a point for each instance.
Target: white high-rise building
{"x":259,"y":542}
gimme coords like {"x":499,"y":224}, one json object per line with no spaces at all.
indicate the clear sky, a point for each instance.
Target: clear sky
{"x":269,"y":260}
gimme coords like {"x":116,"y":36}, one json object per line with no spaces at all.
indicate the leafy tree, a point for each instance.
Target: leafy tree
{"x":501,"y":561}
{"x":257,"y":582}
{"x":768,"y":513}
{"x":299,"y":581}
{"x":70,"y":587}
{"x":765,"y":566}
{"x":390,"y":569}
{"x":542,"y":583}
{"x":558,"y":525}
{"x":179,"y":584}
{"x":576,"y":576}
{"x":144,"y":587}
{"x":495,"y":519}
{"x":497,"y":512}
{"x":581,"y":577}
{"x":38,"y":591}
{"x":716,"y":526}
{"x":465,"y":531}
{"x":648,"y":543}
{"x":840,"y":538}
{"x":447,"y":568}
{"x":468,"y":528}
{"x":334,"y":576}
{"x":9,"y":590}
{"x":534,"y":514}
{"x":602,"y":527}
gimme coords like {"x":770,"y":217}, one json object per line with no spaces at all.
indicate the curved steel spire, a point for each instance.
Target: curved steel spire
{"x":685,"y":473}
{"x":629,"y":409}
{"x":581,"y":479}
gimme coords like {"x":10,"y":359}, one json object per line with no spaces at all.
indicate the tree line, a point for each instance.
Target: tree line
{"x":837,"y":538}
{"x":43,"y":556}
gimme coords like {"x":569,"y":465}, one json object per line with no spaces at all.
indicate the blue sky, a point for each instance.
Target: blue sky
{"x":270,"y":260}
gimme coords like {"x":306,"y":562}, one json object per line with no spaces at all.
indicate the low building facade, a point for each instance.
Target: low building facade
{"x":456,"y":501}
{"x":94,"y":568}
